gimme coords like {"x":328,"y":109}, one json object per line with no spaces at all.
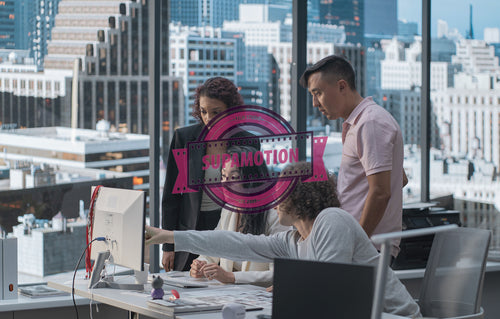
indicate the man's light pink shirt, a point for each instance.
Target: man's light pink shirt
{"x":372,"y":143}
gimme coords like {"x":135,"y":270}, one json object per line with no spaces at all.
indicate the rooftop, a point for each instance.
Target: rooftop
{"x":65,"y":139}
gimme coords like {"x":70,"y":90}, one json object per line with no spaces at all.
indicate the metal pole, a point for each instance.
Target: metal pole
{"x":154,"y":14}
{"x":299,"y":56}
{"x":378,"y":298}
{"x":425,"y":118}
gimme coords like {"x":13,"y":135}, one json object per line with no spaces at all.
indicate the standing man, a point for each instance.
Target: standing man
{"x":371,"y":173}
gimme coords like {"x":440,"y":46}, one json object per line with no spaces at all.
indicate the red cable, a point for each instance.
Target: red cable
{"x":90,"y":227}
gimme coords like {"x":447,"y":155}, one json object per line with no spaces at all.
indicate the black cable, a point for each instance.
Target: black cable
{"x":76,"y":268}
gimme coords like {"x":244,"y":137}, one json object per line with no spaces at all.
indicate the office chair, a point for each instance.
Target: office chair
{"x":453,"y":279}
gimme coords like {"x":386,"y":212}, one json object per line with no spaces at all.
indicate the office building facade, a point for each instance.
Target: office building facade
{"x":264,"y":33}
{"x":402,"y":70}
{"x":374,"y":55}
{"x":44,"y":21}
{"x":17,"y":18}
{"x":476,"y":56}
{"x":347,"y":13}
{"x":443,"y":49}
{"x":203,"y":13}
{"x":381,"y":20}
{"x":405,"y":107}
{"x":312,"y":8}
{"x":282,"y":52}
{"x":32,"y":99}
{"x":407,"y":31}
{"x":8,"y":25}
{"x":26,"y":25}
{"x":469,"y":118}
{"x":200,"y":53}
{"x":381,"y":17}
{"x":492,"y":35}
{"x":259,"y":72}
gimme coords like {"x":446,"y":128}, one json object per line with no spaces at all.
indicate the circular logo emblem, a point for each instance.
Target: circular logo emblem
{"x":243,"y":151}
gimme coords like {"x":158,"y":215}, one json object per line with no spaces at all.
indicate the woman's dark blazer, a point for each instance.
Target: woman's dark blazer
{"x":180,"y":211}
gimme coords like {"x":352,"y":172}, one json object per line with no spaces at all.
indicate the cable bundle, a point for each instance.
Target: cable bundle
{"x":90,"y":227}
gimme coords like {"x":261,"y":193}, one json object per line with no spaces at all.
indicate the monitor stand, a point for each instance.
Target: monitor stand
{"x":97,"y":280}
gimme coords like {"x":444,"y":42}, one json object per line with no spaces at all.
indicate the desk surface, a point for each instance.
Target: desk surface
{"x":27,"y":303}
{"x":135,"y":301}
{"x":129,"y":300}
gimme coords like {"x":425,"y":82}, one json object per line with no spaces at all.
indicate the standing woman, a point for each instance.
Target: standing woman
{"x":188,"y":211}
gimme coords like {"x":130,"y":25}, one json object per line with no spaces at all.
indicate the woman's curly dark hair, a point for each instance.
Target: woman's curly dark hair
{"x":307,"y":200}
{"x":218,"y":88}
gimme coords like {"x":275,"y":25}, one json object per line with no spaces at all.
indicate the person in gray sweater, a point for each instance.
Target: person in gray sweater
{"x":323,"y":232}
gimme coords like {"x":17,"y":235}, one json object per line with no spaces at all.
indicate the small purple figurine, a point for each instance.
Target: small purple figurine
{"x":157,"y":291}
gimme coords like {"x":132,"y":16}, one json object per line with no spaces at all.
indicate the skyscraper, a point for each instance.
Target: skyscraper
{"x":16,"y":21}
{"x":312,"y":7}
{"x":45,"y":16}
{"x":382,"y":17}
{"x":199,"y":53}
{"x":7,"y":21}
{"x":470,"y":32}
{"x":347,"y":13}
{"x":200,"y":13}
{"x":381,"y":22}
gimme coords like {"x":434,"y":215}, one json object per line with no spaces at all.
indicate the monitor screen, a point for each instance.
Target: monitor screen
{"x":119,"y":216}
{"x":313,"y":289}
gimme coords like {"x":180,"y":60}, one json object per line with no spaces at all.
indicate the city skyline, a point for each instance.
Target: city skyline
{"x":457,"y":18}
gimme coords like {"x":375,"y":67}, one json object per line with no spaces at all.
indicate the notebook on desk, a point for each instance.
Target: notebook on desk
{"x":184,"y":282}
{"x":213,"y":299}
{"x":311,"y":289}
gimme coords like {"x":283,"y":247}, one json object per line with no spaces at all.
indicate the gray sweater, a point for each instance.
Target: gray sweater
{"x":335,"y":237}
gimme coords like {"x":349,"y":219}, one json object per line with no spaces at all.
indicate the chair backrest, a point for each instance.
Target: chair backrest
{"x":453,"y":279}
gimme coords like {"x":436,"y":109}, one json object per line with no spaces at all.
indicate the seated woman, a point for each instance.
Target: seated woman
{"x":324,"y":232}
{"x":246,"y":272}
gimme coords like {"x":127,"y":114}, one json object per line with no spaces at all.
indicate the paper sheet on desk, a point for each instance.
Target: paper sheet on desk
{"x":245,"y":295}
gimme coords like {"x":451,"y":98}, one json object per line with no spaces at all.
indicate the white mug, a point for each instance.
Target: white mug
{"x":233,"y":311}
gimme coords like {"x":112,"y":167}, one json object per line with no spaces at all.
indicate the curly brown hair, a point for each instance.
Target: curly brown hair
{"x":218,"y":88}
{"x":307,"y":200}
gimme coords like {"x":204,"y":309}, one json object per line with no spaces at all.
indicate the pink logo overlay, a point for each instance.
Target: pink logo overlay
{"x":238,"y":158}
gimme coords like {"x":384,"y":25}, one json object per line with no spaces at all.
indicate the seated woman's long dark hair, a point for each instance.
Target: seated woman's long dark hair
{"x":250,"y":223}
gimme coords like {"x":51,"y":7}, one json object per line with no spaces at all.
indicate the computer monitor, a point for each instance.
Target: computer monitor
{"x":119,"y":216}
{"x":313,"y":289}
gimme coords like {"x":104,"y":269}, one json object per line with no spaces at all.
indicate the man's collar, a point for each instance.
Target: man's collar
{"x":353,"y":117}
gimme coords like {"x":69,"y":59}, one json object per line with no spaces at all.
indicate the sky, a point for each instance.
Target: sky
{"x":455,"y":13}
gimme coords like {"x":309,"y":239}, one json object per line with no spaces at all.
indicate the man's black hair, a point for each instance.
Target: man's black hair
{"x":334,"y":65}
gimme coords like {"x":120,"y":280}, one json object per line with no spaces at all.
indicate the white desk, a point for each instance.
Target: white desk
{"x":26,"y":303}
{"x":56,"y":307}
{"x":136,"y":302}
{"x":132,"y":301}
